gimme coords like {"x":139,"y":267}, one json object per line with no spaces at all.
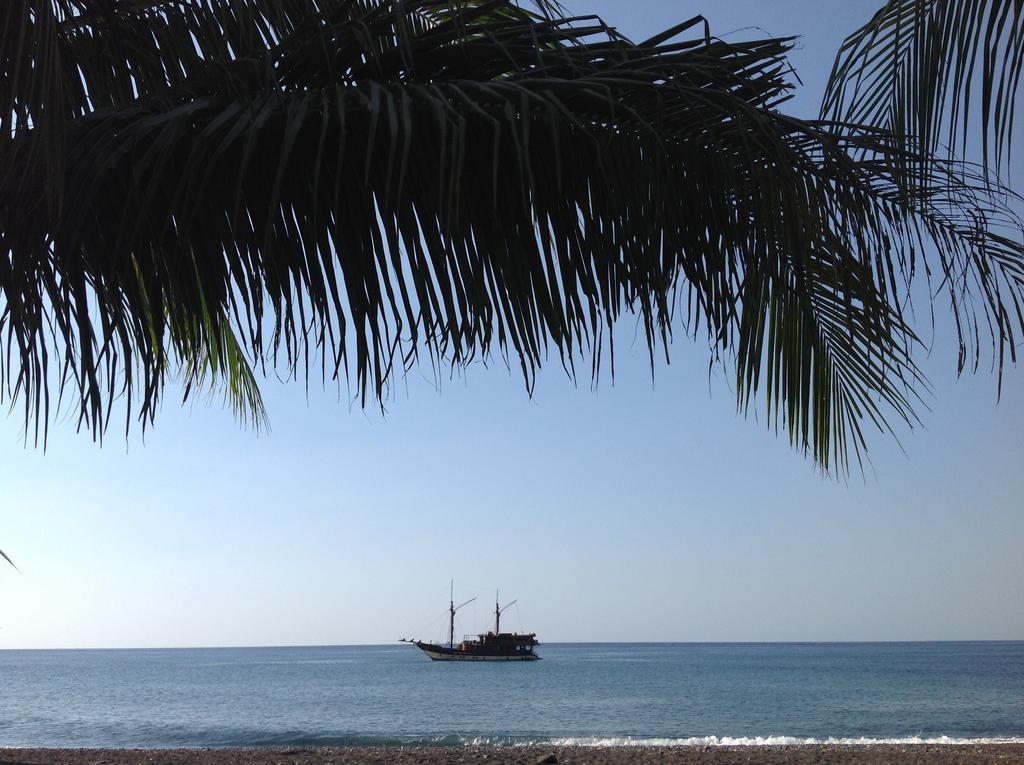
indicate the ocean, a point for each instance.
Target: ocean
{"x":605,"y":694}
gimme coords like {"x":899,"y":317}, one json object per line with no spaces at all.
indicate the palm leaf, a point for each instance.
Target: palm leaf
{"x":925,"y":68}
{"x":343,"y":187}
{"x":6,"y":558}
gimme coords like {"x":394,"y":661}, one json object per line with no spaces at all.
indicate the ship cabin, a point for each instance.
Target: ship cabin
{"x":501,"y":642}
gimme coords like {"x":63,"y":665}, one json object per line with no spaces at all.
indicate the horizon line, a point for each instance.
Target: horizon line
{"x":551,"y":642}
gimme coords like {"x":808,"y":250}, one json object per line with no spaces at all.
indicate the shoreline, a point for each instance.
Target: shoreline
{"x":798,"y":754}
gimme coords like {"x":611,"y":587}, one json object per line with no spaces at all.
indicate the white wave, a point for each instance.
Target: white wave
{"x":776,"y":741}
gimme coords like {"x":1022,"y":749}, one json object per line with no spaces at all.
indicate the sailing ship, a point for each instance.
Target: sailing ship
{"x":486,"y":646}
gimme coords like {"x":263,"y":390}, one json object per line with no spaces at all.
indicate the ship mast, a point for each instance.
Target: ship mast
{"x":452,"y":608}
{"x":497,"y":612}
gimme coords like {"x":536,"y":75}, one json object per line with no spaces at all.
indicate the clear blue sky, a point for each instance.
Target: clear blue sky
{"x":639,"y":511}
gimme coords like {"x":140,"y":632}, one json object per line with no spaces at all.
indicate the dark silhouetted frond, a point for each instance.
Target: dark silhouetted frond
{"x":928,"y":69}
{"x":341,"y":187}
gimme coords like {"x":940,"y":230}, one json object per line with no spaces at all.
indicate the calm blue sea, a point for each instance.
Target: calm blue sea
{"x":594,"y":693}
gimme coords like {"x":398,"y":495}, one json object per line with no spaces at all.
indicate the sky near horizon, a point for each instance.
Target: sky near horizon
{"x":644,"y":510}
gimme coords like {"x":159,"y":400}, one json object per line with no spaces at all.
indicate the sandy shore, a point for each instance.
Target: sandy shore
{"x":919,"y":754}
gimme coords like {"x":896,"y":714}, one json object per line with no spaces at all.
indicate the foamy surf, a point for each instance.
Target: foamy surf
{"x":597,"y":741}
{"x":683,"y":741}
{"x":467,"y":740}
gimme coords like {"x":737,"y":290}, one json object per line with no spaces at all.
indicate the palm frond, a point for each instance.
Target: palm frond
{"x":925,"y":68}
{"x":345,"y":186}
{"x":6,"y":558}
{"x":222,"y":368}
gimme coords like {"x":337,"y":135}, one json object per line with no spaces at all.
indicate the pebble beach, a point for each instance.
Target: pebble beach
{"x":916,"y":754}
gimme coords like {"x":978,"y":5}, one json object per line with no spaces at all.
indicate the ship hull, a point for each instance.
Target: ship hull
{"x":444,"y":653}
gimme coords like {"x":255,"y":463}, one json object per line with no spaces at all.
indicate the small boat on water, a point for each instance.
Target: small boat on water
{"x":486,"y":646}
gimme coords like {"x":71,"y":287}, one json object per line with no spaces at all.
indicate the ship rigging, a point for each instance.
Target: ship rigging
{"x":485,"y":646}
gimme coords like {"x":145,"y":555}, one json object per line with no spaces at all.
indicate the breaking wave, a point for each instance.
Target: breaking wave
{"x":298,"y":739}
{"x":779,"y":741}
{"x":225,"y":738}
